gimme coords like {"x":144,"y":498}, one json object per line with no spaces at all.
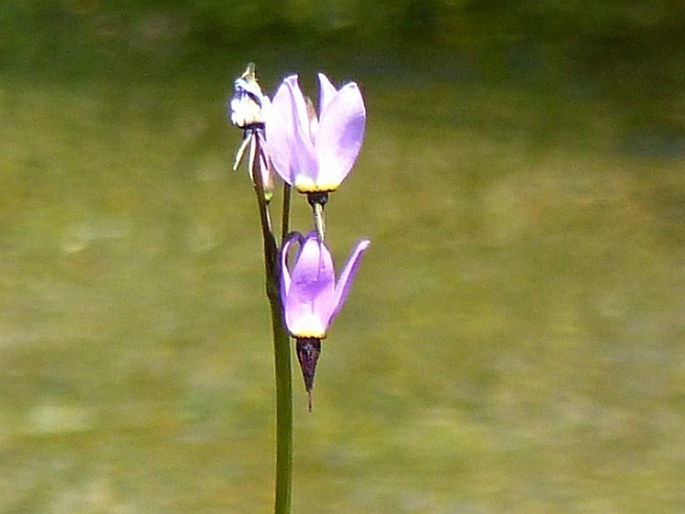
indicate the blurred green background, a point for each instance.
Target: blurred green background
{"x":514,"y":340}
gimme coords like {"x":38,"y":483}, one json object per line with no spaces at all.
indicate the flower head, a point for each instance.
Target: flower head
{"x":315,"y":154}
{"x":246,"y":107}
{"x":246,"y":110}
{"x":311,"y":297}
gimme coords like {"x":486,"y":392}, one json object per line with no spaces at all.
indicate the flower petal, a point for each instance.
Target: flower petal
{"x":327,"y":92}
{"x":340,"y":135}
{"x":249,"y":86}
{"x":302,"y":148}
{"x":280,"y":132}
{"x":301,"y":115}
{"x":285,"y":272}
{"x":288,"y":134}
{"x":347,"y":275}
{"x":309,"y":301}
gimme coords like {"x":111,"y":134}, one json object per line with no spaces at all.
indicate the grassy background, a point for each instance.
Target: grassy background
{"x":513,"y":343}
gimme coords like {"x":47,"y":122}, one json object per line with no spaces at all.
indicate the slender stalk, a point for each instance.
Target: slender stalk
{"x":284,"y":414}
{"x":285,"y":219}
{"x":281,"y":339}
{"x":319,"y":220}
{"x":264,"y":218}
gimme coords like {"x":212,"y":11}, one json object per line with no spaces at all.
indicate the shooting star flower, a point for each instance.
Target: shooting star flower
{"x":315,"y":154}
{"x":312,"y":297}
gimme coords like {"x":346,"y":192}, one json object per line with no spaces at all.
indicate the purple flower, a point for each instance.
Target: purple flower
{"x":315,"y":154}
{"x":311,"y":297}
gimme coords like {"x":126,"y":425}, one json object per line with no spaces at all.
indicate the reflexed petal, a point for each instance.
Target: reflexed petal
{"x":301,"y":114}
{"x":347,"y":275}
{"x":327,"y":92}
{"x":285,"y":272}
{"x":309,"y":300}
{"x":250,"y":87}
{"x":288,"y":135}
{"x":248,"y":100}
{"x":339,"y":140}
{"x":280,"y":133}
{"x":302,"y":148}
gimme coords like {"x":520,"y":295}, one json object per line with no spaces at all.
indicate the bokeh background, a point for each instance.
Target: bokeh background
{"x":514,"y":340}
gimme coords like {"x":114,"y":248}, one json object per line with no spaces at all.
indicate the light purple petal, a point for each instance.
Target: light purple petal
{"x":287,"y":133}
{"x":340,"y":135}
{"x":285,"y":272}
{"x":280,"y":132}
{"x":347,"y":275}
{"x":302,"y":123}
{"x":309,"y":300}
{"x":327,"y":92}
{"x":302,"y":149}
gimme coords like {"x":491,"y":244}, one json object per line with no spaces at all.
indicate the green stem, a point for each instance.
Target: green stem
{"x":281,"y":338}
{"x":285,"y":219}
{"x":284,"y":414}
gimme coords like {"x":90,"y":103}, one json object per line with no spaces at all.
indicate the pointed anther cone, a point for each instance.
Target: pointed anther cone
{"x":308,"y":351}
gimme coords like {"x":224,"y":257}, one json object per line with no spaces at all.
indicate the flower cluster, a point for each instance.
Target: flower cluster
{"x":313,"y":154}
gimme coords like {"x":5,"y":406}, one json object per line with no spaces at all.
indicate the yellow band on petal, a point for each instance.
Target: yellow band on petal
{"x":305,"y":184}
{"x":308,"y":326}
